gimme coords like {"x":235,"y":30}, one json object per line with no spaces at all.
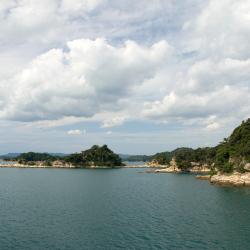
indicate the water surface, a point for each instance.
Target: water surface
{"x":119,"y":209}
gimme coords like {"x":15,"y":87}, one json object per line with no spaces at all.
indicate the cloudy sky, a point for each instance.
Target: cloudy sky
{"x":141,"y":76}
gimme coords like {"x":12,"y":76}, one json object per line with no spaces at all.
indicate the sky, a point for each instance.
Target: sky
{"x":140,"y":76}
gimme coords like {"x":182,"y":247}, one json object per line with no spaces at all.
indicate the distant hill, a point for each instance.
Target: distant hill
{"x":9,"y":156}
{"x":32,"y":157}
{"x":135,"y":157}
{"x":16,"y":155}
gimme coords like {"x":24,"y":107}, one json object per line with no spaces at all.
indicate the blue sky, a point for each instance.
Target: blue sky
{"x":141,"y":76}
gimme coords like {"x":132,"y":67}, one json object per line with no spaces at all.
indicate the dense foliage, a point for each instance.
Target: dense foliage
{"x":234,"y":151}
{"x":137,"y":158}
{"x":184,"y":156}
{"x":95,"y":156}
{"x":32,"y":157}
{"x":163,"y":158}
{"x":230,"y":154}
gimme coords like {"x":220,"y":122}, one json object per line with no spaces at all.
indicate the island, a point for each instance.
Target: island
{"x":228,"y":163}
{"x":95,"y":157}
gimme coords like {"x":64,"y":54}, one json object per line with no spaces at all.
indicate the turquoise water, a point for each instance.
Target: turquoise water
{"x":119,"y":209}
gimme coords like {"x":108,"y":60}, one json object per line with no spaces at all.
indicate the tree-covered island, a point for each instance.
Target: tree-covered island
{"x":96,"y":156}
{"x":232,"y":154}
{"x":228,"y":163}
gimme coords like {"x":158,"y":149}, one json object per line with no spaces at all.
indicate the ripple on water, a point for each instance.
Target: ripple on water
{"x":119,"y":209}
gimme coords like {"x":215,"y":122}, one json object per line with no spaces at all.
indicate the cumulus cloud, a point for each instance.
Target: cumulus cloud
{"x":222,"y":29}
{"x":204,"y":72}
{"x":89,"y":77}
{"x":215,"y":82}
{"x":44,"y":21}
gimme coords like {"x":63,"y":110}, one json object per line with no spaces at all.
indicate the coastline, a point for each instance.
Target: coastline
{"x":234,"y":179}
{"x":53,"y":167}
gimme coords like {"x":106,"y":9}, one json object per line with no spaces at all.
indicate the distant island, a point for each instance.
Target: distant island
{"x":95,"y":157}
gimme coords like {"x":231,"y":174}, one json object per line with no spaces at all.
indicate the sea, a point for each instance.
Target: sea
{"x":123,"y":208}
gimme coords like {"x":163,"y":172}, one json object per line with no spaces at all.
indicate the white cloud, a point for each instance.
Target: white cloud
{"x":44,"y":21}
{"x":79,"y":7}
{"x":222,"y":29}
{"x":214,"y":82}
{"x":91,"y":77}
{"x":76,"y":132}
{"x":112,"y":122}
{"x":213,"y":126}
{"x":204,"y":73}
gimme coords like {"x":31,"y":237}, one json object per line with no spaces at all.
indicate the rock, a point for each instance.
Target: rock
{"x":200,"y":169}
{"x":154,"y":164}
{"x":203,"y":177}
{"x":247,"y":167}
{"x":235,"y":179}
{"x":168,"y":170}
{"x":173,"y":163}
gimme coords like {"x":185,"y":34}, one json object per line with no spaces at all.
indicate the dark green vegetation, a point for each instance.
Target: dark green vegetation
{"x":130,"y":158}
{"x":234,"y":151}
{"x":9,"y":156}
{"x":231,"y":154}
{"x":13,"y":156}
{"x":184,"y":156}
{"x":32,"y":157}
{"x":95,"y":156}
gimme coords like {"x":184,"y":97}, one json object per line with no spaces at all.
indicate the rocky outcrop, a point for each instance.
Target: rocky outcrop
{"x":170,"y":169}
{"x":156,"y":164}
{"x":247,"y":167}
{"x":196,"y":167}
{"x":203,"y":177}
{"x":202,"y":169}
{"x":234,"y":179}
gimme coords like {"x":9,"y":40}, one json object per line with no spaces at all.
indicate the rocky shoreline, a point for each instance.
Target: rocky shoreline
{"x":17,"y":165}
{"x":235,"y":179}
{"x":67,"y":166}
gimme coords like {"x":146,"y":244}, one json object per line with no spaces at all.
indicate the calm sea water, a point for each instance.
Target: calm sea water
{"x":119,"y":209}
